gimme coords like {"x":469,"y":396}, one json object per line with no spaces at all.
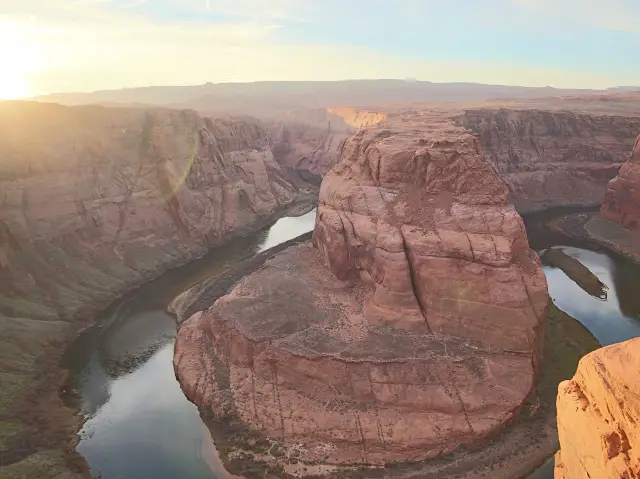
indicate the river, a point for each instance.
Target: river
{"x":138,"y":424}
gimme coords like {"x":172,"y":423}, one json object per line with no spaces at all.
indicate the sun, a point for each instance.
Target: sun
{"x":19,"y":59}
{"x":12,"y":87}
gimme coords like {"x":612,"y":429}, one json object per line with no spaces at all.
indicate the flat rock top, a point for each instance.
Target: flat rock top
{"x":297,"y":304}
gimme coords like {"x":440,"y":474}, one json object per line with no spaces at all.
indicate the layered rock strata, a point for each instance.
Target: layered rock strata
{"x":411,"y":325}
{"x":94,"y":200}
{"x":622,"y":200}
{"x":598,"y":416}
{"x":554,"y":158}
{"x":311,"y":140}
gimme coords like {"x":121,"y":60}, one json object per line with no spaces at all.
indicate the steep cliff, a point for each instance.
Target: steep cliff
{"x":94,"y":201}
{"x":413,"y":324}
{"x":553,"y":158}
{"x":93,"y":198}
{"x":311,"y":140}
{"x":598,"y":412}
{"x":622,"y":200}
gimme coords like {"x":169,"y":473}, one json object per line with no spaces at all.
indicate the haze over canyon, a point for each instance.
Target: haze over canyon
{"x":412,"y":332}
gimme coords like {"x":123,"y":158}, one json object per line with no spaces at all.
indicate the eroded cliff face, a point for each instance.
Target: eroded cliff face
{"x":598,"y":413}
{"x":553,"y":158}
{"x":93,"y":202}
{"x":311,"y":140}
{"x":413,"y":324}
{"x":622,"y":200}
{"x":94,"y":199}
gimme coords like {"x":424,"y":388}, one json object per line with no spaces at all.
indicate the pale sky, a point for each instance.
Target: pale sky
{"x":84,"y":45}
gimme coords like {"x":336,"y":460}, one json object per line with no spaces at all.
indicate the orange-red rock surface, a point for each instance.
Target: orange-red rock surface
{"x":622,"y":200}
{"x":413,"y":324}
{"x":599,"y":416}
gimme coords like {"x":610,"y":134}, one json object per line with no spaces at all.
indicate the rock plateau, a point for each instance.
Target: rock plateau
{"x":598,"y":416}
{"x":622,"y":200}
{"x":413,"y":323}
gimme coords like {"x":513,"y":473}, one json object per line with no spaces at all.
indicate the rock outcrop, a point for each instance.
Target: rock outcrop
{"x":622,"y":200}
{"x":598,"y":416}
{"x":413,"y":324}
{"x":553,"y":158}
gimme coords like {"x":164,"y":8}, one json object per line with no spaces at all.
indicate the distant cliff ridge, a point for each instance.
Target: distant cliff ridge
{"x":94,"y":199}
{"x":553,"y":158}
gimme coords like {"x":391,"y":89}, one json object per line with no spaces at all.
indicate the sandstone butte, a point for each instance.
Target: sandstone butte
{"x":413,"y":323}
{"x":598,"y":413}
{"x":622,"y":199}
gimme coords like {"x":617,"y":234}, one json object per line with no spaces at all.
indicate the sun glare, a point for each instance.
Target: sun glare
{"x":18,"y":60}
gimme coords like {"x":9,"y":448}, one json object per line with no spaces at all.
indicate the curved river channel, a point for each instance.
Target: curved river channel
{"x":138,"y":424}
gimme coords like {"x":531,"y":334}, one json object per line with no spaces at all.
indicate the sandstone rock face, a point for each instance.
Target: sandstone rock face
{"x":413,"y":324}
{"x":95,"y":200}
{"x":598,"y":413}
{"x":311,"y":140}
{"x":307,"y":147}
{"x":622,"y":200}
{"x":553,"y":158}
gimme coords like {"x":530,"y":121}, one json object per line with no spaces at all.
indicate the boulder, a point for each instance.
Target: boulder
{"x":599,"y":416}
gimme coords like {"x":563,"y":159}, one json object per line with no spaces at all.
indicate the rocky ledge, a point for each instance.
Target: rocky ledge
{"x":413,"y":323}
{"x":598,"y":414}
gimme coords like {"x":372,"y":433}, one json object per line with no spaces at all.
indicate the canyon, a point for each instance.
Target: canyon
{"x":413,"y":324}
{"x":95,"y":201}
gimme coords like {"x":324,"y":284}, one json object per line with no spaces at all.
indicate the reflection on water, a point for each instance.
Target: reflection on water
{"x":611,"y":320}
{"x":288,"y":228}
{"x":138,"y":422}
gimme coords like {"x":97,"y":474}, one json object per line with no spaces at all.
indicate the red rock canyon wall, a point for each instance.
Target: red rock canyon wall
{"x":622,"y":200}
{"x":413,"y":326}
{"x":553,"y":158}
{"x":95,"y":200}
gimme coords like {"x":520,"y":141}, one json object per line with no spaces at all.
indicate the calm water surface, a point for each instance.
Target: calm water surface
{"x":612,"y":320}
{"x":138,"y":422}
